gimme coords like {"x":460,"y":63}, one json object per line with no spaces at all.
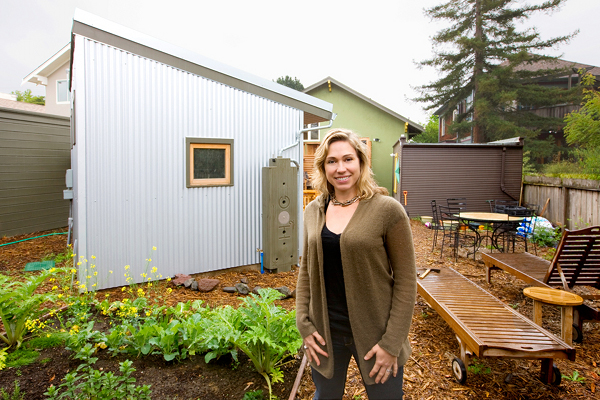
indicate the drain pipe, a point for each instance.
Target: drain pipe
{"x":301,"y":131}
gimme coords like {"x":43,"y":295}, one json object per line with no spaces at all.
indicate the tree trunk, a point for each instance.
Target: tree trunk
{"x":478,"y":136}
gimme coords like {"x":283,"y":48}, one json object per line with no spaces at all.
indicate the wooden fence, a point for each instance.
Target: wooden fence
{"x":571,"y":203}
{"x":34,"y":157}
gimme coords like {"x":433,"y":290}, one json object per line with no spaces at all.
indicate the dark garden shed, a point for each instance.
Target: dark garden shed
{"x":437,"y":171}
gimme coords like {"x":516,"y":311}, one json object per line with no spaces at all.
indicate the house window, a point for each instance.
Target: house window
{"x":62,"y":91}
{"x":209,"y":162}
{"x":312,"y":135}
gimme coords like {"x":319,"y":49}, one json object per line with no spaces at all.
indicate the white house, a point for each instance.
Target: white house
{"x":54,"y":75}
{"x":145,"y":114}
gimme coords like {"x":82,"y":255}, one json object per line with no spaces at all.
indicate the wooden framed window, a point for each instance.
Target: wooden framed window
{"x":209,"y":162}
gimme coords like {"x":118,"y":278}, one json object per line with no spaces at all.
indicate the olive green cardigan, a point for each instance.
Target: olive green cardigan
{"x":378,"y":261}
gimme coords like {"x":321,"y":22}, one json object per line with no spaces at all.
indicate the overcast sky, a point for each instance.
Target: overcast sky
{"x":368,"y":45}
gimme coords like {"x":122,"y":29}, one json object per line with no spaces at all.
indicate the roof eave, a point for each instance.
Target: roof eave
{"x":364,"y":98}
{"x":40,"y":74}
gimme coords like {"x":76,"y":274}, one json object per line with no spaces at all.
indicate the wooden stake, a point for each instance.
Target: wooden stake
{"x":545,"y":206}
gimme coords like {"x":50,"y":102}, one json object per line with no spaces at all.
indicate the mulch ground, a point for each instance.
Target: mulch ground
{"x":427,"y":374}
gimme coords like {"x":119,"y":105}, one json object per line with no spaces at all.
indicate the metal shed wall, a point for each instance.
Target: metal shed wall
{"x":133,"y":115}
{"x":34,"y":155}
{"x":440,"y":171}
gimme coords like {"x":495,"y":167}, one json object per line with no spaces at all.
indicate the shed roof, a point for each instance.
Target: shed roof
{"x":20,"y":105}
{"x":573,"y":67}
{"x":40,"y":74}
{"x":110,"y":33}
{"x":364,"y":98}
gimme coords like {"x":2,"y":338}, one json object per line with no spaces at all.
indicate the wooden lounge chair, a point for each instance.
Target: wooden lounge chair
{"x":486,"y":327}
{"x":576,"y":262}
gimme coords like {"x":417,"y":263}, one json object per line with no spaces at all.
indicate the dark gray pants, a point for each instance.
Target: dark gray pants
{"x":329,"y":389}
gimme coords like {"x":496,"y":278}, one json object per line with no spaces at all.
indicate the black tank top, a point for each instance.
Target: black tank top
{"x":335,"y":290}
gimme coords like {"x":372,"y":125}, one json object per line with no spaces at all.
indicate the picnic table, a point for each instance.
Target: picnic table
{"x":498,"y":220}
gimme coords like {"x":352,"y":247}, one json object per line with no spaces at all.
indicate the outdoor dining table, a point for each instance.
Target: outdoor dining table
{"x":490,"y":218}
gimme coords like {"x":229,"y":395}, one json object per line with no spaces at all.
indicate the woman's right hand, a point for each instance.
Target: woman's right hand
{"x":312,"y":348}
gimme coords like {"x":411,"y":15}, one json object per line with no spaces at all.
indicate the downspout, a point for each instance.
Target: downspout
{"x":502,"y":187}
{"x":301,"y":131}
{"x":299,"y":143}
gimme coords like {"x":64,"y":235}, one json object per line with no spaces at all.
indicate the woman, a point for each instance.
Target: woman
{"x":357,"y":281}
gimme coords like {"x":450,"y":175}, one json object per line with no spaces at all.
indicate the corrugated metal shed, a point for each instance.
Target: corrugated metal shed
{"x":136,"y":100}
{"x":438,"y":171}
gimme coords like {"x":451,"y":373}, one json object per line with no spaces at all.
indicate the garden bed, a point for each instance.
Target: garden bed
{"x":428,"y":374}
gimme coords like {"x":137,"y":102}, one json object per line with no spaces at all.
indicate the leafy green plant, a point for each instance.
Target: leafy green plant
{"x":254,"y":395}
{"x":574,"y":377}
{"x":546,"y":237}
{"x":266,"y":333}
{"x":479,"y":368}
{"x":19,"y":303}
{"x":15,"y":395}
{"x":86,"y":383}
{"x":21,"y":357}
{"x":2,"y":358}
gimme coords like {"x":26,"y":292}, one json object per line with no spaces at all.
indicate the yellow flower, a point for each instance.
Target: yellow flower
{"x":153,"y":247}
{"x":73,"y":270}
{"x":73,"y":255}
{"x":149,"y":259}
{"x":95,"y":273}
{"x":93,"y":257}
{"x":110,"y":271}
{"x":169,"y":279}
{"x":144,"y":275}
{"x":123,"y":289}
{"x":154,"y":269}
{"x":94,"y":285}
{"x":79,"y":263}
{"x":60,"y":295}
{"x":126,"y":267}
{"x":52,"y":269}
{"x":54,"y":287}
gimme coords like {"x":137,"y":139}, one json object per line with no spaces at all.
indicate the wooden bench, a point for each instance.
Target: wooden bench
{"x":486,"y":327}
{"x":576,"y":262}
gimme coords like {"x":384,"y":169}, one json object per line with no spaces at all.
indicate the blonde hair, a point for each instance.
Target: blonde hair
{"x":366,"y":184}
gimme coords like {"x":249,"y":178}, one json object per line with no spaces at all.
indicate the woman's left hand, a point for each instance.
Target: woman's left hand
{"x":385,"y":364}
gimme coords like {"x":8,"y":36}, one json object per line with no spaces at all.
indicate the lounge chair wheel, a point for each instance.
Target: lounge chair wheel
{"x":556,"y":376}
{"x":577,"y":334}
{"x":459,"y":370}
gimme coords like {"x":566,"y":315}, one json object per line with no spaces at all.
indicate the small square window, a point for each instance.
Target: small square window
{"x":62,"y":91}
{"x":209,"y":162}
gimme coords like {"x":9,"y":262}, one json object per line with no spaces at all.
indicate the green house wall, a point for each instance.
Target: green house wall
{"x":367,"y":121}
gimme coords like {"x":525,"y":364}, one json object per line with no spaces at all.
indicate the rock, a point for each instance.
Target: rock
{"x":229,"y":289}
{"x":285,"y":291}
{"x":180,"y":279}
{"x":256,"y":289}
{"x":244,"y":280}
{"x":206,"y":285}
{"x":188,"y":282}
{"x":242,"y":288}
{"x":194,"y":285}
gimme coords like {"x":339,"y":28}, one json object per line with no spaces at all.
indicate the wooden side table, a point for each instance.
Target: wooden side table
{"x":565,"y":300}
